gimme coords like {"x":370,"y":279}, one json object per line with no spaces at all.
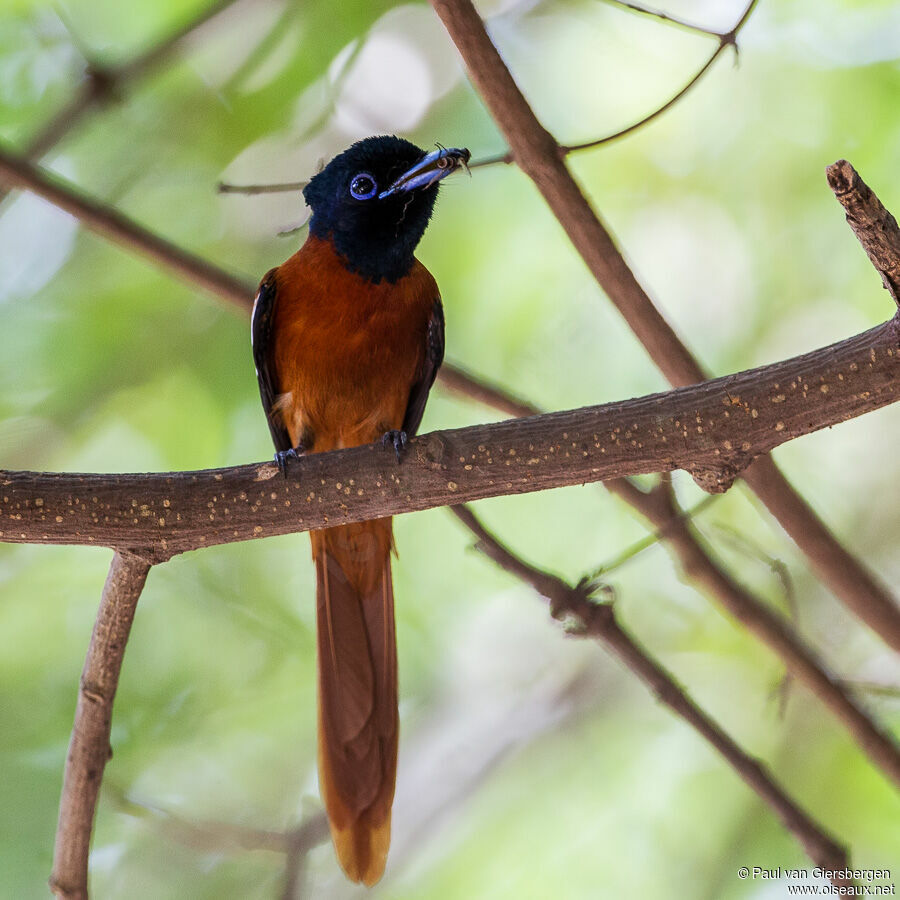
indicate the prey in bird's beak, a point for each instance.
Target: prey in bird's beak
{"x":430,"y":169}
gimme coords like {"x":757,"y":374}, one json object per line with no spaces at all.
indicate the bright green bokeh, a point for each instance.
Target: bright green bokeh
{"x":532,"y":765}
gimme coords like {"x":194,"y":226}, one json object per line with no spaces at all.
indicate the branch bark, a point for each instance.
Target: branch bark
{"x":712,"y":430}
{"x":89,"y":748}
{"x":830,"y":560}
{"x":875,"y":228}
{"x":700,"y":568}
{"x":538,"y":154}
{"x":598,"y":621}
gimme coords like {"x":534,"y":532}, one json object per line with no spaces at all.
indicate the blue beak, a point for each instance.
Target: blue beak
{"x":429,"y":170}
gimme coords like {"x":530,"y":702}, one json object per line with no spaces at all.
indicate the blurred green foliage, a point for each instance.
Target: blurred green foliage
{"x":531,"y":764}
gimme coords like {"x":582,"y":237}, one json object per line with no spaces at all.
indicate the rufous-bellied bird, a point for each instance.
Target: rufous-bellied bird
{"x":348,"y":335}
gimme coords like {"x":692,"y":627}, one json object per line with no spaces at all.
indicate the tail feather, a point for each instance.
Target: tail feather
{"x":357,"y":691}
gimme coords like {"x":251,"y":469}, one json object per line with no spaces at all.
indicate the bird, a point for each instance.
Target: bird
{"x":347,"y":338}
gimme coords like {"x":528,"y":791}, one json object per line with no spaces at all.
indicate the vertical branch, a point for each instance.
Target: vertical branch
{"x":541,"y":158}
{"x":89,"y":747}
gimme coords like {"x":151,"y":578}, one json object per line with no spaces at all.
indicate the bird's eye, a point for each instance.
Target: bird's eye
{"x":363,"y":186}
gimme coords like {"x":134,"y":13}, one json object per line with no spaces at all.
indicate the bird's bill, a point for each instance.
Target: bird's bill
{"x":429,"y":170}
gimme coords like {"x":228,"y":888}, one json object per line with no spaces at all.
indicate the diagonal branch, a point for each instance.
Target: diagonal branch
{"x":538,"y":155}
{"x":697,"y":562}
{"x":699,"y":566}
{"x":712,"y":430}
{"x":872,"y":224}
{"x":89,"y":749}
{"x":598,"y":621}
{"x":118,"y":228}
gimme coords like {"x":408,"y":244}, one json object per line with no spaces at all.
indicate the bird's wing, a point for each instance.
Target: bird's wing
{"x":434,"y":356}
{"x":261,"y":338}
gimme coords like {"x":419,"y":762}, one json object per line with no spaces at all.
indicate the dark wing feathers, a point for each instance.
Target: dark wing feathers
{"x":434,"y":356}
{"x":261,"y":338}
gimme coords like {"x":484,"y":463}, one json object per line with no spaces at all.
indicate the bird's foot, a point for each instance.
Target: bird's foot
{"x":397,"y":439}
{"x":282,"y":456}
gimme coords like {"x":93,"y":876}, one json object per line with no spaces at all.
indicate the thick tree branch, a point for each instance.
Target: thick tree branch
{"x":697,"y":562}
{"x":831,"y":561}
{"x":712,"y":430}
{"x":598,"y":621}
{"x":89,"y":748}
{"x":538,"y":155}
{"x":841,"y":571}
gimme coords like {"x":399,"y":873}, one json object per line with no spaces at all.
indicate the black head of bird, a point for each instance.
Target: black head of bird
{"x":374,"y":201}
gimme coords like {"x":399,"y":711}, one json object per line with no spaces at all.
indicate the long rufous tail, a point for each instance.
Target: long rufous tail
{"x":357,"y":691}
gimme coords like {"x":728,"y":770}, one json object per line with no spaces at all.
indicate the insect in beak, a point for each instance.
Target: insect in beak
{"x":430,"y":169}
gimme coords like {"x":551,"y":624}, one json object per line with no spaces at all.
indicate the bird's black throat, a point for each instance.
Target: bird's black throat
{"x":376,"y":237}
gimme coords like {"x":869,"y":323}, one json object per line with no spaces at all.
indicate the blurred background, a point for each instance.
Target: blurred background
{"x":531,"y":763}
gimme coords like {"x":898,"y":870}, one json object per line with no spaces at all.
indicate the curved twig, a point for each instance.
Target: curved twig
{"x":725,"y":39}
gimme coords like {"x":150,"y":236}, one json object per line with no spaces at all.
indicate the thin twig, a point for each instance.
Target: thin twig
{"x":537,"y":154}
{"x":208,"y":836}
{"x":598,"y":621}
{"x":645,"y":120}
{"x":665,"y":17}
{"x":282,"y":188}
{"x":89,"y":749}
{"x":725,"y":39}
{"x":652,"y":538}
